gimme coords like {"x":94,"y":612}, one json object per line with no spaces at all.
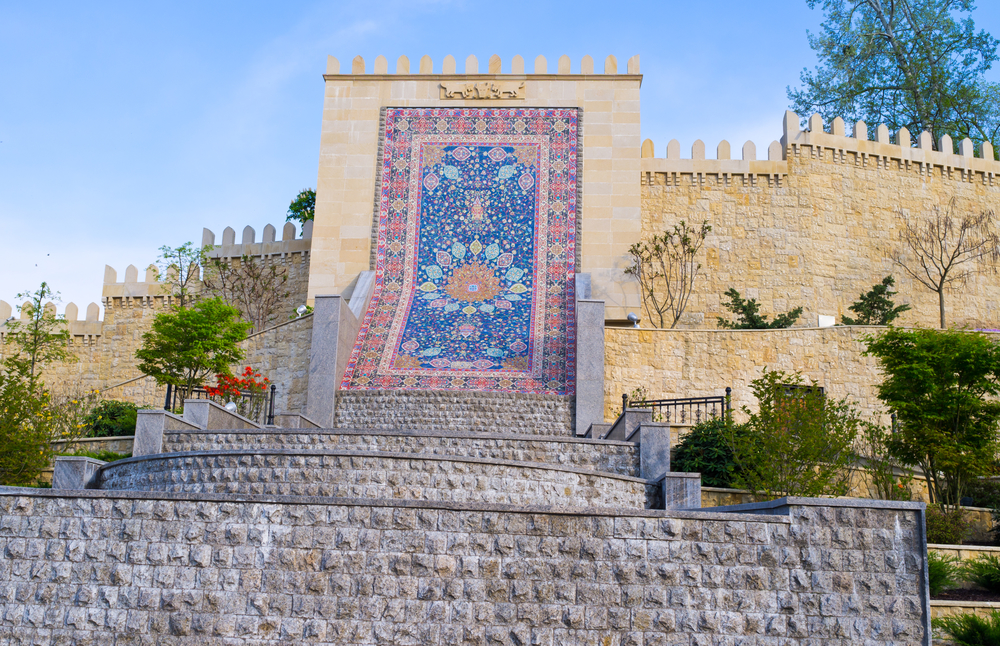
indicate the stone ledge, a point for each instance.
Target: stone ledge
{"x":135,"y":496}
{"x":376,"y":454}
{"x":523,"y":437}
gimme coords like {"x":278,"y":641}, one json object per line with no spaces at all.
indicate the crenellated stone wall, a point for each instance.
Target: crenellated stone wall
{"x":103,"y":351}
{"x":819,"y":222}
{"x":132,"y":567}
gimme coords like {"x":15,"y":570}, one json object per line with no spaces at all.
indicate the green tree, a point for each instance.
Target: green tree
{"x":179,"y":268}
{"x":876,"y":307}
{"x":666,"y":269}
{"x":918,"y":64}
{"x":303,"y":207}
{"x":798,"y":443}
{"x":748,"y":316}
{"x":943,"y":386}
{"x":705,"y":449}
{"x":188,"y":344}
{"x":42,"y":337}
{"x":25,"y":425}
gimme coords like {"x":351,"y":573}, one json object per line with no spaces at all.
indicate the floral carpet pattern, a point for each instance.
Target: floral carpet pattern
{"x":474,"y":275}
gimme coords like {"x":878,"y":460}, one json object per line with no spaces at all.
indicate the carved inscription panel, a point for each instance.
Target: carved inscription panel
{"x":482,"y":90}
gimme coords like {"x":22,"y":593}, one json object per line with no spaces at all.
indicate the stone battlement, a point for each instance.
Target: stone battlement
{"x":834,"y":145}
{"x":494,"y":67}
{"x":89,"y":327}
{"x":268,"y":245}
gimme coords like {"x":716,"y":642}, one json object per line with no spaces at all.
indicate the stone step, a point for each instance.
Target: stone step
{"x":621,"y":458}
{"x":378,"y":475}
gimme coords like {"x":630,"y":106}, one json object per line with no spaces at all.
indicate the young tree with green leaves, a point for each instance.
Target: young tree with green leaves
{"x":798,"y":443}
{"x":180,"y":268}
{"x":876,"y":307}
{"x":186,"y":345}
{"x":914,"y":64}
{"x":303,"y":207}
{"x":666,"y":269}
{"x":42,"y":337}
{"x":942,"y":385}
{"x":748,"y":316}
{"x":25,"y":425}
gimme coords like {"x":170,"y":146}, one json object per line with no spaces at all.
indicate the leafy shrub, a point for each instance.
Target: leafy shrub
{"x":705,"y":450}
{"x":943,"y":571}
{"x":25,"y":426}
{"x":105,"y":456}
{"x":946,"y":528}
{"x":972,"y":630}
{"x":111,"y":418}
{"x":797,"y":443}
{"x":984,"y":571}
{"x":748,"y":316}
{"x":984,"y":493}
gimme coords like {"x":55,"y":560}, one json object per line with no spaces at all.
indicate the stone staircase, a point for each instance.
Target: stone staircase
{"x":211,"y":450}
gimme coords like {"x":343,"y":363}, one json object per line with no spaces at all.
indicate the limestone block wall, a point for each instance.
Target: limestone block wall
{"x":104,"y":350}
{"x":377,"y":475}
{"x":102,"y":566}
{"x":817,"y":224}
{"x":701,"y":363}
{"x":281,"y":354}
{"x":621,"y":458}
{"x":349,"y":144}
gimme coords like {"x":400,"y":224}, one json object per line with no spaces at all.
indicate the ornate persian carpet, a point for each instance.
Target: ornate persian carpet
{"x":474,"y":282}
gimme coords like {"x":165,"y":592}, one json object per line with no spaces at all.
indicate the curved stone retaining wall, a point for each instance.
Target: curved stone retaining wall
{"x":383,"y":476}
{"x":130,"y":568}
{"x":621,"y":458}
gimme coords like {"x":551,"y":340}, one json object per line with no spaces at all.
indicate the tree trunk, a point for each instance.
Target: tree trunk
{"x":941,"y":305}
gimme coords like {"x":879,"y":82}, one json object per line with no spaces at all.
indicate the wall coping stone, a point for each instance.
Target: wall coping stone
{"x":375,"y":454}
{"x":781,"y":505}
{"x":965,"y":548}
{"x":604,"y":512}
{"x":472,"y":435}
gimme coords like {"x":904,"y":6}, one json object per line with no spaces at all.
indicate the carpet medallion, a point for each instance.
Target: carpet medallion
{"x":474,"y":282}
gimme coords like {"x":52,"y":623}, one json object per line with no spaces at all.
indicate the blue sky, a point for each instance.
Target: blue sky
{"x":126,"y":126}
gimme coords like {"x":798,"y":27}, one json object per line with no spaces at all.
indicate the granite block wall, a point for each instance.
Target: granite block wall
{"x":621,"y":458}
{"x":455,"y":411}
{"x":134,"y":568}
{"x":377,"y":475}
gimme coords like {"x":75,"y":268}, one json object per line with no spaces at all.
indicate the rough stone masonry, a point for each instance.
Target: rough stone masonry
{"x":139,"y":568}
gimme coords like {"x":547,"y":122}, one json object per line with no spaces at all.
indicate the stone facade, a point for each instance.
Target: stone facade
{"x":817,"y":225}
{"x":349,"y":144}
{"x":620,"y":458}
{"x":455,"y":411}
{"x":702,"y":363}
{"x":103,"y":351}
{"x":135,"y":568}
{"x":281,"y":354}
{"x":377,"y":475}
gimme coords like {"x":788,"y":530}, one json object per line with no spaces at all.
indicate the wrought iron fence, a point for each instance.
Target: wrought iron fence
{"x":684,"y":410}
{"x":258,"y":407}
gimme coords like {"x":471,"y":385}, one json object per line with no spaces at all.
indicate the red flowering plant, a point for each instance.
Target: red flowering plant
{"x":247,"y":391}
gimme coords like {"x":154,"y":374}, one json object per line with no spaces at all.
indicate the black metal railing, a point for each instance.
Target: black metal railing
{"x":684,"y":410}
{"x":259,"y":405}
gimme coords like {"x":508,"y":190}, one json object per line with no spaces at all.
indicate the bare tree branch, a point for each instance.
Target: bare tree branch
{"x":948,"y":248}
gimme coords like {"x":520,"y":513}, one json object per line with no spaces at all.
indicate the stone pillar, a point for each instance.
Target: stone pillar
{"x":589,"y":364}
{"x":324,"y":377}
{"x":654,"y":450}
{"x":336,"y":323}
{"x":74,"y":472}
{"x":149,"y":428}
